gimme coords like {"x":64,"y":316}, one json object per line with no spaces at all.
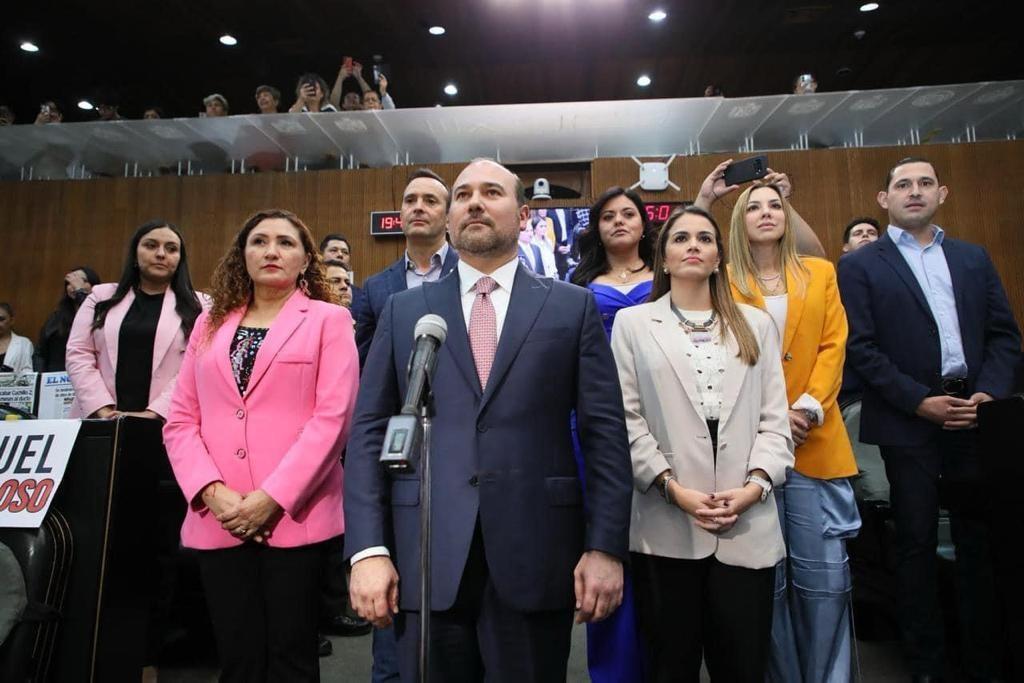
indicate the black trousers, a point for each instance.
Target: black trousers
{"x":948,"y":472}
{"x":483,"y":639}
{"x":264,"y":604}
{"x":689,"y":610}
{"x":334,"y":581}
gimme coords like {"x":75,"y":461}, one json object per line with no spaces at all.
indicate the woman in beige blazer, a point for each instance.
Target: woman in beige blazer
{"x":706,"y":411}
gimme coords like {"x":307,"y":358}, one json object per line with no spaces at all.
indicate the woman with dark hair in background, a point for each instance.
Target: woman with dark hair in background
{"x":311,"y":95}
{"x":15,"y":350}
{"x":123,"y":356}
{"x":53,"y":337}
{"x":705,"y":403}
{"x":256,"y":428}
{"x":616,"y":255}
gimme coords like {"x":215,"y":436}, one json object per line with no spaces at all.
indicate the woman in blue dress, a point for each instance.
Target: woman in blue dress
{"x":616,"y":254}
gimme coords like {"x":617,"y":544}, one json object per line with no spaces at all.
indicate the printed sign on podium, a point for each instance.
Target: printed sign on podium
{"x":33,"y":457}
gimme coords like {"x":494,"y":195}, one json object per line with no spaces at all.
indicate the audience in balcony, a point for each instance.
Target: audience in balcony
{"x":311,"y":95}
{"x":268,"y":98}
{"x":216,"y":105}
{"x":153,"y":112}
{"x":6,"y":116}
{"x":49,"y":112}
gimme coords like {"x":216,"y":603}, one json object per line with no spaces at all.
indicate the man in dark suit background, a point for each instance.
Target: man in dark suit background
{"x":335,"y":247}
{"x":514,"y":551}
{"x":931,"y":336}
{"x":428,"y":256}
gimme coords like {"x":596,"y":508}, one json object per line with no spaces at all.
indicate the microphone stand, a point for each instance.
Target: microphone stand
{"x":425,"y":486}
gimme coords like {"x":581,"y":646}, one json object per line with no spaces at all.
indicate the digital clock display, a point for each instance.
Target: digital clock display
{"x":658,"y":212}
{"x":384,"y":223}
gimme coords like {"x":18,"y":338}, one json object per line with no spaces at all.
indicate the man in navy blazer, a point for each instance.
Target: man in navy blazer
{"x":931,"y":336}
{"x":427,"y":258}
{"x":514,"y":550}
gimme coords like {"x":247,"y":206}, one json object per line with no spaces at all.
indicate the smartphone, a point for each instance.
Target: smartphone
{"x":746,"y":170}
{"x":347,"y":63}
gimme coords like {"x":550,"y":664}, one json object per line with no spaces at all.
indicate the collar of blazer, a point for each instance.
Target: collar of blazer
{"x":526,"y":300}
{"x":795,"y":296}
{"x":166,"y":329}
{"x":665,"y":328}
{"x":287,"y":321}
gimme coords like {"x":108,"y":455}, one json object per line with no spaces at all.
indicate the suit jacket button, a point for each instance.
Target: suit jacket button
{"x":788,"y":356}
{"x":240,"y":413}
{"x":474,"y":481}
{"x":240,"y":453}
{"x":481,"y":428}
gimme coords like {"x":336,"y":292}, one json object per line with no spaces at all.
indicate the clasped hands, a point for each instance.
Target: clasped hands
{"x":597,"y":581}
{"x":952,"y":413}
{"x":714,"y":512}
{"x":248,"y":516}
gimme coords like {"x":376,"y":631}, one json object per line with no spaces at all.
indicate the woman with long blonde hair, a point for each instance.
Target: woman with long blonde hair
{"x":705,"y":406}
{"x":811,"y":622}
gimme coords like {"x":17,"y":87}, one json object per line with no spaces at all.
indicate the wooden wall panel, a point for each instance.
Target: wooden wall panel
{"x":47,"y":227}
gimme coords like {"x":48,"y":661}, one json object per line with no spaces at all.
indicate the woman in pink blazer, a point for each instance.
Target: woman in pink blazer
{"x":128,"y":338}
{"x":256,"y":427}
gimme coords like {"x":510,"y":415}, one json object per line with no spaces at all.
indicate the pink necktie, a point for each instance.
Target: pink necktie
{"x":483,"y":328}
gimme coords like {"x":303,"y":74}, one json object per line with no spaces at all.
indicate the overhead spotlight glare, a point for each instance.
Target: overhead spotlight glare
{"x":228,"y":39}
{"x":869,"y":7}
{"x":643,"y":81}
{"x":86,"y":105}
{"x":450,"y":89}
{"x":657,"y":15}
{"x":436,"y":30}
{"x":29,"y":47}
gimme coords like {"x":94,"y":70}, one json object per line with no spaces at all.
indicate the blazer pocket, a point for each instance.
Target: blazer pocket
{"x":293,"y":358}
{"x":405,"y":492}
{"x":564,"y":491}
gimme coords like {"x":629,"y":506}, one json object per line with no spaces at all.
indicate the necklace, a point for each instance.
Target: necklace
{"x":772,"y":284}
{"x":699,"y":332}
{"x":626,"y":272}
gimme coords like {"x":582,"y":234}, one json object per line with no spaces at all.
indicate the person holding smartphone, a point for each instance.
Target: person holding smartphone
{"x":311,"y":95}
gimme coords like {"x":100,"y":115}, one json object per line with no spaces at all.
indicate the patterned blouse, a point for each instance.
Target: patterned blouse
{"x":707,"y":358}
{"x":243,"y":353}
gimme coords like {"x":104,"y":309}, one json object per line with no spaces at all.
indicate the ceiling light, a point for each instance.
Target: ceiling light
{"x":869,"y":7}
{"x":450,"y":89}
{"x":86,"y":105}
{"x":228,"y":39}
{"x":436,"y":30}
{"x":29,"y":47}
{"x":643,"y":81}
{"x":657,"y":15}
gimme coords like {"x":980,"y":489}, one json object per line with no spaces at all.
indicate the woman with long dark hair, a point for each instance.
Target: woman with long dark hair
{"x":705,"y":404}
{"x":311,"y":95}
{"x":616,"y":255}
{"x":257,"y":425}
{"x":53,"y":337}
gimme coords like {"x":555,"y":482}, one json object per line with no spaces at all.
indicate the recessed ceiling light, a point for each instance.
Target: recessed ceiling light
{"x":228,"y":39}
{"x":643,"y":81}
{"x":436,"y":30}
{"x":450,"y":89}
{"x":29,"y":47}
{"x":869,"y":7}
{"x":657,"y":15}
{"x":86,"y":105}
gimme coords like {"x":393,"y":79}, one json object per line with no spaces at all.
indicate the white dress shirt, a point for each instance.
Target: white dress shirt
{"x":500,"y":297}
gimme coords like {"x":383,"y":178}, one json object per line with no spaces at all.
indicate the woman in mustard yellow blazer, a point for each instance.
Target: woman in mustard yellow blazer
{"x":811,"y":636}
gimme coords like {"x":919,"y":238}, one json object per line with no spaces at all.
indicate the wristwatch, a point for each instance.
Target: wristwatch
{"x":664,"y":486}
{"x":766,"y":486}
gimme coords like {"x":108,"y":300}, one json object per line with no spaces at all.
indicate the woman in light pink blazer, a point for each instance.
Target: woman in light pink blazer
{"x":256,"y":427}
{"x":131,"y":335}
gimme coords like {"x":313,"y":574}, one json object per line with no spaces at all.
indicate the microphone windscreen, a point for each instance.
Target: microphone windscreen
{"x":433,"y":326}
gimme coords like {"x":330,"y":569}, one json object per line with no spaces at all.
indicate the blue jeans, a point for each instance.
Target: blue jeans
{"x":811,"y":636}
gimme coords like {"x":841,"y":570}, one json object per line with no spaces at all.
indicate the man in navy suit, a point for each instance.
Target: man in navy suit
{"x":427,"y":258}
{"x":514,"y":552}
{"x":931,"y":337}
{"x":335,"y":247}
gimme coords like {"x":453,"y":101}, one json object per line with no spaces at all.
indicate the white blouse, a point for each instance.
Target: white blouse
{"x":708,"y":362}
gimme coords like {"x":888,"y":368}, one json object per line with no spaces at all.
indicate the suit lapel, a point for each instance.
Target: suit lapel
{"x":445,"y":299}
{"x":451,"y":260}
{"x":166,"y":328}
{"x":732,"y":380}
{"x":890,"y":253}
{"x":525,"y":303}
{"x":288,"y":320}
{"x":396,"y":277}
{"x":112,"y":325}
{"x":664,"y":327}
{"x":795,"y":297}
{"x":220,"y":345}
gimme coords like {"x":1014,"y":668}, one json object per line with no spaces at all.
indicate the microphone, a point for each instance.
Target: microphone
{"x":404,"y":432}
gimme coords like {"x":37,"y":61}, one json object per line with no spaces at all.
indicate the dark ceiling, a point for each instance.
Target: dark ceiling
{"x":143,"y":52}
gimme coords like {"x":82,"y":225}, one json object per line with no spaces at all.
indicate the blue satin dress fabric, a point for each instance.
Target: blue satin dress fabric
{"x":613,"y":645}
{"x":811,"y":635}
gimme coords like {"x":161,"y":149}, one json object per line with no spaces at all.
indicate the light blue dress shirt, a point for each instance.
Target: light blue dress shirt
{"x":415,"y":278}
{"x":928,"y":263}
